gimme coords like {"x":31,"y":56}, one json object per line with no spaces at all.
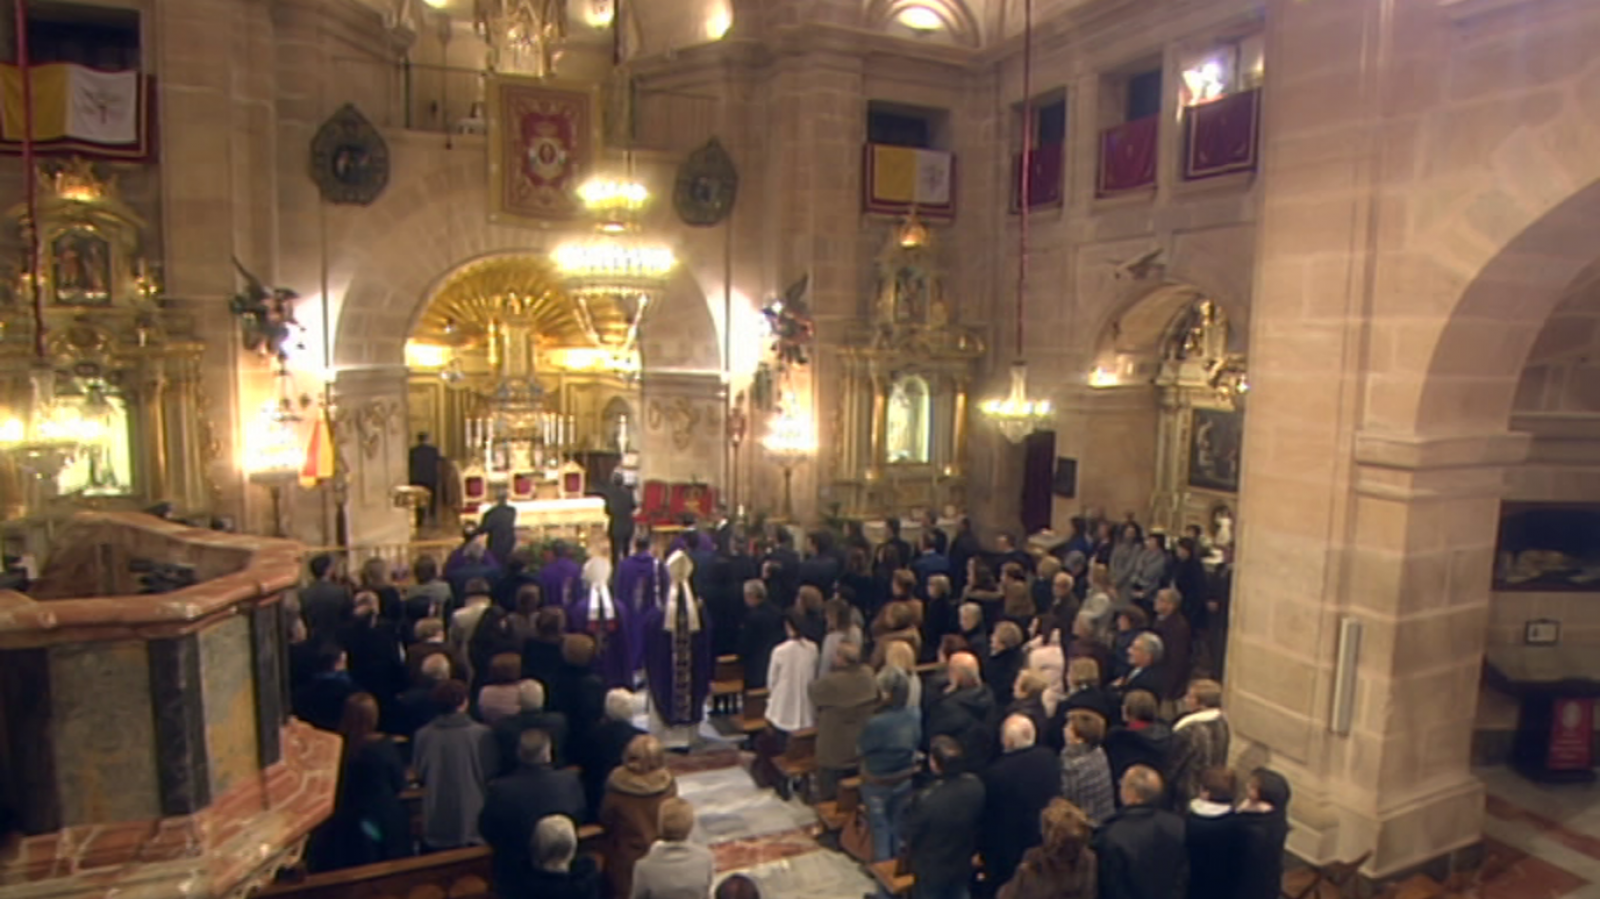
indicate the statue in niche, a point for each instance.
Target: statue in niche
{"x":908,"y":279}
{"x":1200,"y":334}
{"x":82,"y":269}
{"x":906,"y":440}
{"x":910,"y":293}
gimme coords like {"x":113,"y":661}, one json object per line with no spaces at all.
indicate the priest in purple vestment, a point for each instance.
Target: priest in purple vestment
{"x":597,"y":613}
{"x":560,"y":580}
{"x":677,"y":650}
{"x":641,"y":586}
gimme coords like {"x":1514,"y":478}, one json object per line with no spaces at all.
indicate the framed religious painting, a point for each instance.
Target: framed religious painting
{"x":544,"y":139}
{"x":80,"y":268}
{"x":1215,"y":439}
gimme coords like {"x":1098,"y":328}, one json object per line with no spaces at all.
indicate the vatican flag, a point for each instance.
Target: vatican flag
{"x":319,"y":454}
{"x":74,"y":103}
{"x":903,"y":177}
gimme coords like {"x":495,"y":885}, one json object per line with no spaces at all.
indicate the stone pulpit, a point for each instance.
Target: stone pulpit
{"x":147,"y":748}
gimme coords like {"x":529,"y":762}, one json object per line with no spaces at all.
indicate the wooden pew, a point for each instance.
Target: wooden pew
{"x":459,"y":874}
{"x":836,"y":813}
{"x":752,"y":718}
{"x":727,"y":686}
{"x":798,"y":761}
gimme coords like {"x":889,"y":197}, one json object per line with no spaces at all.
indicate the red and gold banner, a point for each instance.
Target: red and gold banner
{"x":1221,"y":136}
{"x":1128,"y":155}
{"x":81,"y":111}
{"x":543,"y":140}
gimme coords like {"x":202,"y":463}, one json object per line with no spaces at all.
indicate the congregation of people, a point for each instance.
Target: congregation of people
{"x":1027,"y":723}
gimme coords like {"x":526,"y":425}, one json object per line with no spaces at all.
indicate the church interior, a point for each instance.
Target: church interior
{"x":310,"y":296}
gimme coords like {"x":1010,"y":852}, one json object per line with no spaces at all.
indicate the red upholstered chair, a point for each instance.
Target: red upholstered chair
{"x":654,"y":508}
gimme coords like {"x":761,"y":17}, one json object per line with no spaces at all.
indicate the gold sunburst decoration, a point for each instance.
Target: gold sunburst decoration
{"x":483,"y":295}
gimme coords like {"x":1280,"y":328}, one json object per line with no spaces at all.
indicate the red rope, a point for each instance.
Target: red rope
{"x":29,"y":178}
{"x":1027,"y":164}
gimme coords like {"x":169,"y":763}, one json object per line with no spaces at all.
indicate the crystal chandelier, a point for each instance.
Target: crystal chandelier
{"x":616,"y":264}
{"x":53,"y":436}
{"x":791,"y":439}
{"x":1017,"y":415}
{"x":523,"y":35}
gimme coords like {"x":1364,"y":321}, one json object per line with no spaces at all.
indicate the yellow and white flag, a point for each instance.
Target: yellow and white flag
{"x":73,"y":103}
{"x":908,"y":176}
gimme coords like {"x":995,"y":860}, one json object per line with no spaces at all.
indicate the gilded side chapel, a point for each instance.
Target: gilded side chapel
{"x":660,"y":365}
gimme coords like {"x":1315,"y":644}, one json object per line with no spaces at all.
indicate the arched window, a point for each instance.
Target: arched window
{"x":910,"y":422}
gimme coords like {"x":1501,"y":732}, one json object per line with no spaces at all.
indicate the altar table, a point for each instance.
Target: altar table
{"x":1556,"y":687}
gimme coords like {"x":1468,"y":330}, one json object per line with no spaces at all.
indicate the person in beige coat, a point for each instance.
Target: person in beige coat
{"x":631,"y":809}
{"x":845,"y":698}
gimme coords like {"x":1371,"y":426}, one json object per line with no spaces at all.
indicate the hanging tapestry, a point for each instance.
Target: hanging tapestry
{"x":543,"y":139}
{"x":1221,"y":136}
{"x":76,"y":109}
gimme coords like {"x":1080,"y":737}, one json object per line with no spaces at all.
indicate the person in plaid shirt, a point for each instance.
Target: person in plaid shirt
{"x":1085,"y":773}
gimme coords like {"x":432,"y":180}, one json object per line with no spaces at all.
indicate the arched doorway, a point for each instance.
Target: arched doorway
{"x":1165,"y":405}
{"x":521,"y":381}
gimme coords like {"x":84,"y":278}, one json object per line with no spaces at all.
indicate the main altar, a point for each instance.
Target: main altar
{"x":907,"y":379}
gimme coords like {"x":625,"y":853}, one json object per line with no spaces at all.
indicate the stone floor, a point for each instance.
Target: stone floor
{"x":1550,"y":835}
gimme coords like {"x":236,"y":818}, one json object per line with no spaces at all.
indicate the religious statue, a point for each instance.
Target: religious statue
{"x":597,"y":613}
{"x":678,"y":657}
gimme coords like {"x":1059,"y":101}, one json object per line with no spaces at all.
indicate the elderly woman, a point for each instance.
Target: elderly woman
{"x":558,"y":872}
{"x":898,"y":622}
{"x":898,"y":654}
{"x":498,"y":697}
{"x":631,"y":809}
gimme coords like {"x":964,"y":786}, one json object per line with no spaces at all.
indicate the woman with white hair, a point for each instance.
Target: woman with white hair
{"x":606,"y":742}
{"x":558,"y":872}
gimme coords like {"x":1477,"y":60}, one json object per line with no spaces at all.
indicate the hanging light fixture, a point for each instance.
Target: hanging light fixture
{"x":1017,"y":416}
{"x":616,"y":264}
{"x":522,"y":36}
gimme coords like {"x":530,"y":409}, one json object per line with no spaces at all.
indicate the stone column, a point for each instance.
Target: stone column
{"x":369,"y":430}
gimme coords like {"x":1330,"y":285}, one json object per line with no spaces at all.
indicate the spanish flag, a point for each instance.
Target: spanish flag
{"x":319,"y":454}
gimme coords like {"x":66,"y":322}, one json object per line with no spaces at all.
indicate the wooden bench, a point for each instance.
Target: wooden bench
{"x":752,"y":716}
{"x":727,"y":686}
{"x":459,"y":874}
{"x":888,"y":876}
{"x":798,"y":761}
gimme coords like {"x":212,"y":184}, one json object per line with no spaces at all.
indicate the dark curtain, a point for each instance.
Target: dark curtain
{"x":1038,"y":475}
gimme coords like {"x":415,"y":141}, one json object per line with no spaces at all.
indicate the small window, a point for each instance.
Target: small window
{"x":1050,"y":123}
{"x":1144,"y":95}
{"x":99,"y":37}
{"x":897,"y":125}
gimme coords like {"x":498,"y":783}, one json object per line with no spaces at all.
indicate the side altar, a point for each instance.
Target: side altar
{"x":907,"y":380}
{"x":101,"y":398}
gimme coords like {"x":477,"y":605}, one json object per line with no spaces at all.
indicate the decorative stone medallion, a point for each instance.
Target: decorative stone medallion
{"x":706,"y":187}
{"x":349,"y":159}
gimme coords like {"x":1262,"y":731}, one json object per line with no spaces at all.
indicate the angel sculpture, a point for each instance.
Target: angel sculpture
{"x":266,"y":314}
{"x":792,"y":326}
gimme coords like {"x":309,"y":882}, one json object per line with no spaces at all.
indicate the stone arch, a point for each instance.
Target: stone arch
{"x":1138,"y":320}
{"x":1471,"y":377}
{"x":398,"y":251}
{"x":957,"y":17}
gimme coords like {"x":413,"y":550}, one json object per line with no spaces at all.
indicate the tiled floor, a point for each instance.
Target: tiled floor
{"x":1547,"y":837}
{"x":753,"y":832}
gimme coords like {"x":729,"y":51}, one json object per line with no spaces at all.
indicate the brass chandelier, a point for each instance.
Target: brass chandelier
{"x":523,"y":35}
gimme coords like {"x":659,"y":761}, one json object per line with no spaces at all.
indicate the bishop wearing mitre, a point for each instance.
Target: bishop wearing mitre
{"x":597,"y":613}
{"x":677,"y":655}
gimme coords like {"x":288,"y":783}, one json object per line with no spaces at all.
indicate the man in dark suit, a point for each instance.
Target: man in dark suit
{"x":1145,"y":655}
{"x":620,"y":507}
{"x":425,"y":462}
{"x":532,"y":716}
{"x":930,"y":528}
{"x":941,"y":823}
{"x":1141,"y":850}
{"x":785,"y":580}
{"x":929,"y":563}
{"x":513,"y":805}
{"x":324,"y":603}
{"x":1016,"y":788}
{"x":761,"y":633}
{"x":500,"y":524}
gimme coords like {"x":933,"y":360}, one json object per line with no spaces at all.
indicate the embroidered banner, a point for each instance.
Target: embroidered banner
{"x":543,"y":139}
{"x":79,"y":110}
{"x":1221,"y":136}
{"x":898,"y":178}
{"x":1128,"y":155}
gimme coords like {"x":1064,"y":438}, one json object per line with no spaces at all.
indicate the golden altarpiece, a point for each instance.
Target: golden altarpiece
{"x":525,"y":386}
{"x":94,"y":364}
{"x":903,"y":424}
{"x":1201,"y":386}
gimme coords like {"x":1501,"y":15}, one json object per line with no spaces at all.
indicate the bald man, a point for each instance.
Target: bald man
{"x":1141,"y":849}
{"x":1016,"y":788}
{"x":965,"y":712}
